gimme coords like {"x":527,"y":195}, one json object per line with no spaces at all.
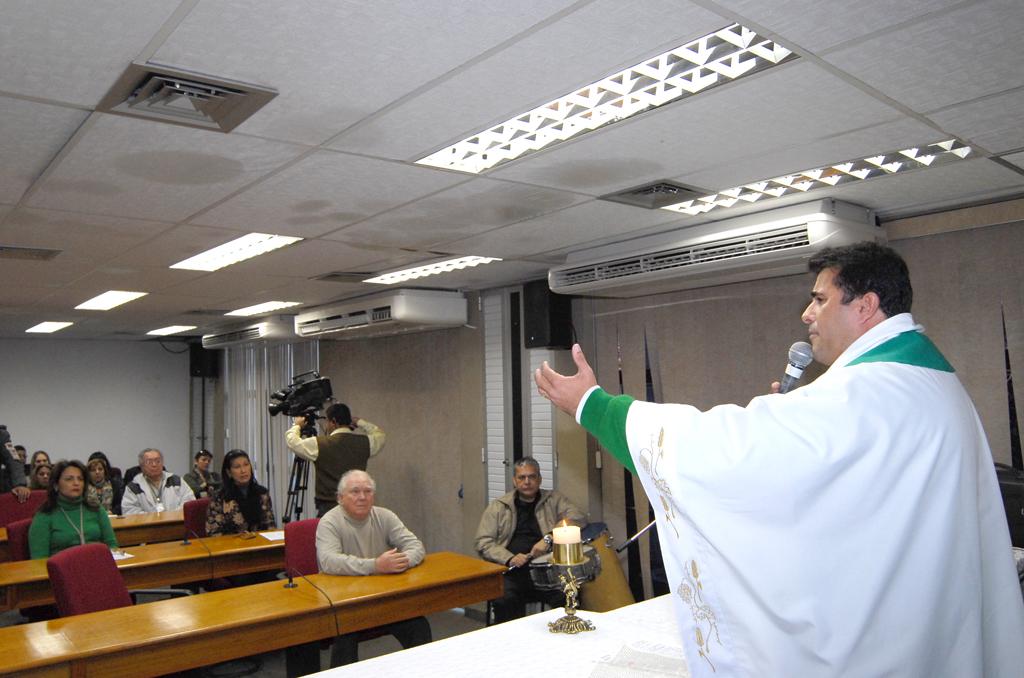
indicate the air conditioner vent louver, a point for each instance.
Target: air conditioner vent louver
{"x":178,"y":96}
{"x":756,"y":246}
{"x":27,"y":253}
{"x":270,"y":328}
{"x":657,"y":195}
{"x":394,"y":312}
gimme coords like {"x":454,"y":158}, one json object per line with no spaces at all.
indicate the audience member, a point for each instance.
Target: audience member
{"x":155,"y":489}
{"x":101,"y":487}
{"x":65,"y":519}
{"x":515,"y":529}
{"x":39,"y":479}
{"x":40,"y":457}
{"x":23,"y":456}
{"x":242,"y":505}
{"x":358,"y":538}
{"x":12,"y":476}
{"x":203,"y":481}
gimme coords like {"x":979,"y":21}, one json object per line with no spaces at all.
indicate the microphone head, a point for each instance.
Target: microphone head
{"x":800,"y":354}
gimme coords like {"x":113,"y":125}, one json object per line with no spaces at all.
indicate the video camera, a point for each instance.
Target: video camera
{"x":303,"y":397}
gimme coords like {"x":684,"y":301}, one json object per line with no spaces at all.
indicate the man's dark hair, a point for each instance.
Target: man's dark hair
{"x":20,"y":448}
{"x":203,"y":453}
{"x":868,"y":267}
{"x":339,"y":414}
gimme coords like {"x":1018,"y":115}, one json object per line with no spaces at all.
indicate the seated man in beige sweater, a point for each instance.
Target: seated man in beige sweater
{"x":358,"y":538}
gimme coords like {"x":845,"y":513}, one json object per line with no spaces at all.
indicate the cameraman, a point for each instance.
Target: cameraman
{"x":347,"y":444}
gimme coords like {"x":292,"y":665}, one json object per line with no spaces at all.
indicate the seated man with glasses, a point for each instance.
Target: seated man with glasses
{"x":515,"y":529}
{"x":154,"y":489}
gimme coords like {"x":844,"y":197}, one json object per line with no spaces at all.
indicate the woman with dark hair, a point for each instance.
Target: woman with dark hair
{"x":65,"y":519}
{"x":39,"y":476}
{"x":242,"y":505}
{"x":101,"y":487}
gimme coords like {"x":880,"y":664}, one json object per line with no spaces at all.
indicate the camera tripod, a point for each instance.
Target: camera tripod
{"x":298,"y":481}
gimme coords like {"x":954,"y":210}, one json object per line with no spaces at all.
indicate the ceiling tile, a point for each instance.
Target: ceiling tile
{"x":995,"y":123}
{"x":151,"y":170}
{"x":791,"y":105}
{"x":335,"y":62}
{"x":32,"y":134}
{"x":176,"y":244}
{"x":1015,"y":158}
{"x":549,"y":63}
{"x":73,"y":51}
{"x":464,"y":210}
{"x":950,"y":58}
{"x":817,"y":26}
{"x":325,"y":191}
{"x":566,"y":228}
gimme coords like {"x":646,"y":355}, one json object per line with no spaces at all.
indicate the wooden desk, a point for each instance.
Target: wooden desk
{"x":140,"y":528}
{"x":26,"y":583}
{"x":184,"y":633}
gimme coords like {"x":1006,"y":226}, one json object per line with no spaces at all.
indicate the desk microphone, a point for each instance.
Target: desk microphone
{"x":800,"y":357}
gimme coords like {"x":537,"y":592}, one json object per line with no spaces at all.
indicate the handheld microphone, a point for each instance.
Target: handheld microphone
{"x":800,"y":357}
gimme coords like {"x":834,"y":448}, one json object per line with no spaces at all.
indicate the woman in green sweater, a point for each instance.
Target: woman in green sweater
{"x":66,"y":519}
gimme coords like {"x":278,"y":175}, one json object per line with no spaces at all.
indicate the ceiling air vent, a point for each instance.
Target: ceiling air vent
{"x":27,"y":253}
{"x":345,"y":277}
{"x":657,"y":195}
{"x":182,"y":97}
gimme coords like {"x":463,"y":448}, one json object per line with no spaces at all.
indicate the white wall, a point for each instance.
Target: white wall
{"x":72,"y":398}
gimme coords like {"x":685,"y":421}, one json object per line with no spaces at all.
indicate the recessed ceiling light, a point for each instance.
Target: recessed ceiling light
{"x":48,"y":327}
{"x":171,"y":329}
{"x":430,"y":269}
{"x":234,"y":251}
{"x":894,"y":162}
{"x":109,"y":300}
{"x":264,"y":308}
{"x":715,"y":59}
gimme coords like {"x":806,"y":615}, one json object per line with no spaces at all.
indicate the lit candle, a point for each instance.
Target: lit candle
{"x":570,"y":534}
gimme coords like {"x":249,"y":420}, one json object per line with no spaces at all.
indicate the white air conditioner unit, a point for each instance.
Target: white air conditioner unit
{"x":751,"y":247}
{"x":392,"y":312}
{"x":272,"y":328}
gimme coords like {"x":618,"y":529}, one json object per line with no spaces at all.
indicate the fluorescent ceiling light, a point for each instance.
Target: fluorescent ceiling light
{"x":430,"y":269}
{"x":239,"y":249}
{"x":48,"y":327}
{"x":171,"y":329}
{"x":707,"y":62}
{"x":894,"y":162}
{"x":109,"y":300}
{"x":264,"y":308}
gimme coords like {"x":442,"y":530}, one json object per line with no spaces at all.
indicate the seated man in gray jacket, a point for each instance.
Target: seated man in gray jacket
{"x":154,"y":489}
{"x":358,"y":538}
{"x":515,"y":529}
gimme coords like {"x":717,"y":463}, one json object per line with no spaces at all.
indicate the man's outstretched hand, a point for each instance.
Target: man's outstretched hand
{"x":566,"y":392}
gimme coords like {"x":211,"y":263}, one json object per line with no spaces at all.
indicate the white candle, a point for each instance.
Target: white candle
{"x":569,"y":534}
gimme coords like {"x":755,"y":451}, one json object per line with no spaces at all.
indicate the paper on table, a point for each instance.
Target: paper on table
{"x":121,"y":555}
{"x":273,"y":535}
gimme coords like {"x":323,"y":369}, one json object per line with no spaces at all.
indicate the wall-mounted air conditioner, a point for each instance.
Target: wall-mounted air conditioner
{"x":385,"y":313}
{"x":751,"y":247}
{"x":273,"y":328}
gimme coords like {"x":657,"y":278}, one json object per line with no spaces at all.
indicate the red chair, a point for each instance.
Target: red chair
{"x":11,"y":510}
{"x":17,"y":539}
{"x":86,"y":579}
{"x":300,"y":547}
{"x":195,"y":517}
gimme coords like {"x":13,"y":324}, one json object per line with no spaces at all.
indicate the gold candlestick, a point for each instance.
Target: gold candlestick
{"x":570,"y":623}
{"x":568,"y":554}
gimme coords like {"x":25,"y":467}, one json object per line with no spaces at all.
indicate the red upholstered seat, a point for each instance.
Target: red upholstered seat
{"x":195,"y":517}
{"x":11,"y":510}
{"x":17,"y":539}
{"x":86,"y":579}
{"x":300,"y":547}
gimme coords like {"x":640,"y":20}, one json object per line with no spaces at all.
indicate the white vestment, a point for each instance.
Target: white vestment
{"x":852,"y":527}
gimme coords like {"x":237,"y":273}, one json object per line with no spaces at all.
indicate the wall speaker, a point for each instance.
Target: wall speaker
{"x":547,"y":317}
{"x":203,"y":363}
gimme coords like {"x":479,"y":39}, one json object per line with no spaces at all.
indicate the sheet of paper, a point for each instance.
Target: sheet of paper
{"x":273,"y":535}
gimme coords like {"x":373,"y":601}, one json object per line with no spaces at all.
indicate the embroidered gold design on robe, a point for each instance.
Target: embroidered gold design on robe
{"x":705,"y":623}
{"x":649,"y":463}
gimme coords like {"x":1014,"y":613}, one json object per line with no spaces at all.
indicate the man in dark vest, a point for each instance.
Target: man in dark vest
{"x":347,"y":443}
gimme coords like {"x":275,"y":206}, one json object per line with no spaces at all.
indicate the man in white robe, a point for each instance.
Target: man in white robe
{"x":852,"y":527}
